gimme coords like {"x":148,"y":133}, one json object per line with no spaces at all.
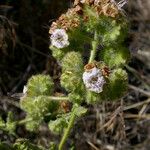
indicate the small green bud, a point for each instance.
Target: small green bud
{"x":71,"y":78}
{"x":72,"y":62}
{"x":40,"y":85}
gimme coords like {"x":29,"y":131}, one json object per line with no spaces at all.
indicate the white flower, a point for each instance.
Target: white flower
{"x":59,"y":38}
{"x":94,"y":80}
{"x":25,"y":90}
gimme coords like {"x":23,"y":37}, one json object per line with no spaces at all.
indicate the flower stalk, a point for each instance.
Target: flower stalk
{"x":67,"y":131}
{"x":94,"y":47}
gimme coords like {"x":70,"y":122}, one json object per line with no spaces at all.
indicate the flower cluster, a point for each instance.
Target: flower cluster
{"x":71,"y":19}
{"x":93,"y":79}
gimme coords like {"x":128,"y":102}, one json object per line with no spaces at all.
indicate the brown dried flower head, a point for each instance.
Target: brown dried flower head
{"x":67,"y":21}
{"x":71,"y":19}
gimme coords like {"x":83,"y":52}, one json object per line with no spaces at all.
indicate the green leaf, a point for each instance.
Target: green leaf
{"x":79,"y":110}
{"x":33,"y":125}
{"x":114,"y":56}
{"x":10,"y":124}
{"x":58,"y":53}
{"x":37,"y":108}
{"x":57,"y":126}
{"x":117,"y":85}
{"x":40,"y":85}
{"x":92,"y":97}
{"x":24,"y":144}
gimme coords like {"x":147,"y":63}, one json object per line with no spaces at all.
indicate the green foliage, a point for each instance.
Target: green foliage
{"x":78,"y":39}
{"x":57,"y":53}
{"x":61,"y":122}
{"x":53,"y":146}
{"x":92,"y":97}
{"x":93,"y":19}
{"x":24,"y":144}
{"x":115,"y":88}
{"x":79,"y":110}
{"x":33,"y":125}
{"x":71,"y":78}
{"x":72,"y":62}
{"x":116,"y":33}
{"x":118,"y":84}
{"x":37,"y":108}
{"x":106,"y":34}
{"x":40,"y":85}
{"x":4,"y":146}
{"x":57,"y":126}
{"x":115,"y":56}
{"x":10,"y":124}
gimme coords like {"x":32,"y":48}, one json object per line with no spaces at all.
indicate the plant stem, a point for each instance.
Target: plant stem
{"x":21,"y":122}
{"x":57,"y":98}
{"x":94,"y":47}
{"x":67,"y":131}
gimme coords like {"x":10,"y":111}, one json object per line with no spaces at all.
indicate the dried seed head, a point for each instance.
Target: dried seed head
{"x":68,"y":20}
{"x":89,"y":66}
{"x":106,"y":8}
{"x":105,"y":71}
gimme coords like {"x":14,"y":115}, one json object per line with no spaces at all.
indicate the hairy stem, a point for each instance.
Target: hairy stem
{"x":67,"y":131}
{"x":57,"y":98}
{"x":94,"y":47}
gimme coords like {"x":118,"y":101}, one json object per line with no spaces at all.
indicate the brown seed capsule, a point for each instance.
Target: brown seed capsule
{"x":66,"y":106}
{"x":89,"y":66}
{"x":105,"y":71}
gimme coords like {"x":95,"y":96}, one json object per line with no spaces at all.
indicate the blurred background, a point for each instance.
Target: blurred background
{"x":24,"y":51}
